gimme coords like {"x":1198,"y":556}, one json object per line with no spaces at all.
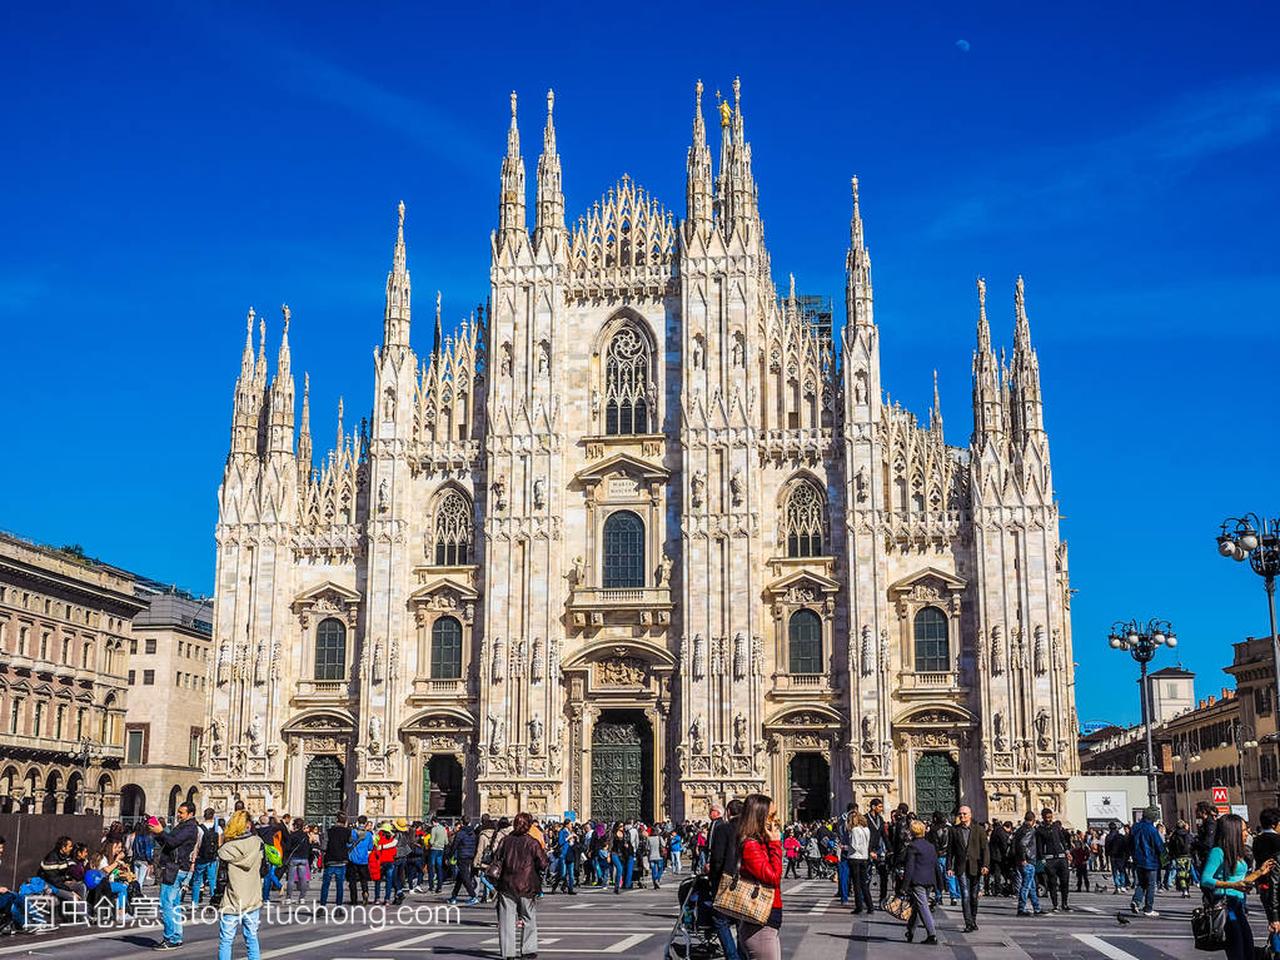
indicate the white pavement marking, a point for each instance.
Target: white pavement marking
{"x":1108,"y":950}
{"x":1088,"y":909}
{"x":434,"y":935}
{"x":27,"y":945}
{"x":821,"y":906}
{"x":312,"y":944}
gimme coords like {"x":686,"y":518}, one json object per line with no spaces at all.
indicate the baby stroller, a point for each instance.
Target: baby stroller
{"x":694,"y":935}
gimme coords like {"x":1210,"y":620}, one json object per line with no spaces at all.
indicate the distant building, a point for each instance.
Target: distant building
{"x":103,"y":686}
{"x":1172,"y":690}
{"x":169,"y":657}
{"x":1253,"y":666}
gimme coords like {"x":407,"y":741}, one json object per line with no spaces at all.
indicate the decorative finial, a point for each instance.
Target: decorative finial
{"x":262,"y":335}
{"x":854,"y":183}
{"x":284,"y":308}
{"x":437,"y":304}
{"x":400,"y":211}
{"x":793,"y":288}
{"x":697,"y":93}
{"x":737,"y":93}
{"x":248,"y":321}
{"x":982,"y":293}
{"x":1019,"y":291}
{"x":306,"y":386}
{"x":551,"y":103}
{"x":513,"y":106}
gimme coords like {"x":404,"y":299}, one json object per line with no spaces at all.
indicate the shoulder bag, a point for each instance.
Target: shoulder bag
{"x":1209,"y":923}
{"x":743,"y":899}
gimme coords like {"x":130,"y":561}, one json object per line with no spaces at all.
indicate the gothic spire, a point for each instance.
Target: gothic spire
{"x":337,"y":449}
{"x":698,"y":187}
{"x":395,"y":329}
{"x":737,"y":188}
{"x":260,"y":371}
{"x":859,"y":301}
{"x":246,"y":358}
{"x":247,"y":402}
{"x":550,"y":193}
{"x":1024,"y":373}
{"x":304,"y":429}
{"x":435,"y":344}
{"x":935,"y":414}
{"x":988,"y":412}
{"x":511,"y":219}
{"x":280,"y":425}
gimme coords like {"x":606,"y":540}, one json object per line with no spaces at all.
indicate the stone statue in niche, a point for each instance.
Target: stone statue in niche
{"x":544,"y":358}
{"x":577,"y":573}
{"x":539,"y":493}
{"x":739,"y":734}
{"x":699,"y":656}
{"x":997,"y":652}
{"x":499,"y":487}
{"x":495,"y":733}
{"x":535,"y":661}
{"x":382,"y":496}
{"x":1039,"y":657}
{"x":698,"y":487}
{"x":595,"y":404}
{"x":664,"y":571}
{"x":506,"y":359}
{"x":697,"y":738}
{"x":868,"y":733}
{"x":999,"y":740}
{"x":867,"y":656}
{"x":739,"y":352}
{"x":736,"y":488}
{"x":220,"y":668}
{"x":535,"y":735}
{"x":215,"y":737}
{"x":375,"y":734}
{"x":497,"y":669}
{"x":254,"y":735}
{"x":739,"y":656}
{"x":699,"y":354}
{"x":389,"y":405}
{"x":1042,"y":729}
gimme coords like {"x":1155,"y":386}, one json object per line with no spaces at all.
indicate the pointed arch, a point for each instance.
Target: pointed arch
{"x":452,"y":528}
{"x":802,"y":525}
{"x":627,"y":391}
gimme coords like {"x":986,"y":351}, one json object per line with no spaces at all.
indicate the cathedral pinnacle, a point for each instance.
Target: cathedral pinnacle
{"x":550,"y":214}
{"x":858,"y":295}
{"x":511,"y":207}
{"x":304,"y":429}
{"x":435,"y":344}
{"x":395,"y":329}
{"x":935,"y":414}
{"x":698,"y":189}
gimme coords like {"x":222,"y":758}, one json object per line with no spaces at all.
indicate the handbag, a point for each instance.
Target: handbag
{"x":1209,"y":923}
{"x":899,"y":908}
{"x":744,"y":899}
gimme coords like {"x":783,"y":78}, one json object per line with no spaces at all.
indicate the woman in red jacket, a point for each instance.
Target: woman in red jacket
{"x":761,"y":860}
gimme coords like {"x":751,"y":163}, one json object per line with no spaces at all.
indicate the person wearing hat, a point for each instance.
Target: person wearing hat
{"x":404,"y":841}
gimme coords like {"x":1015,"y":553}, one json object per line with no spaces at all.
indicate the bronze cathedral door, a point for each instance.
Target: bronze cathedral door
{"x":937,"y":785}
{"x":621,"y":767}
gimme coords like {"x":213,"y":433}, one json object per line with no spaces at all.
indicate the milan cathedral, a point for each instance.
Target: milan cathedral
{"x":639,"y":537}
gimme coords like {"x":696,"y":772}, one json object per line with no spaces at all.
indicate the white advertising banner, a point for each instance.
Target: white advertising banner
{"x":1107,"y":805}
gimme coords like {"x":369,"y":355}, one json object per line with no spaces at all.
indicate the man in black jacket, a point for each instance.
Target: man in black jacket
{"x":722,"y":857}
{"x":969,"y":860}
{"x":464,"y":849}
{"x":998,"y":880}
{"x":878,"y":847}
{"x":1052,"y":846}
{"x":1206,"y":826}
{"x":175,"y":854}
{"x":336,"y":840}
{"x":1025,"y":852}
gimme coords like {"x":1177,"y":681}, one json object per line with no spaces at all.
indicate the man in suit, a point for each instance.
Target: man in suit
{"x":969,"y":860}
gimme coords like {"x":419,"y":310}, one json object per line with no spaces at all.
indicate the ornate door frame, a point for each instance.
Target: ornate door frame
{"x":936,"y":729}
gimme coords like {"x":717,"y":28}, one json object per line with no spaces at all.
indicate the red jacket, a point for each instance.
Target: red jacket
{"x":763,"y":864}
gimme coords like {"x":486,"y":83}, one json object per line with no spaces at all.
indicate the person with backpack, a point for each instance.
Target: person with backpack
{"x":358,"y":849}
{"x":240,"y":887}
{"x":464,"y":849}
{"x":205,"y":871}
{"x":1025,"y":854}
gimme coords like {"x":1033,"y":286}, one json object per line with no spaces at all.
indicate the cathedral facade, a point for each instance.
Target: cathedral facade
{"x":638,"y":538}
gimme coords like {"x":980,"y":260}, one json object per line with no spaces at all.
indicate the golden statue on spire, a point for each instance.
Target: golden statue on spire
{"x":726,"y":111}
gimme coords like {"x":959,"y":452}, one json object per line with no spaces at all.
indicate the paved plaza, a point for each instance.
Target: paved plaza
{"x":638,"y":924}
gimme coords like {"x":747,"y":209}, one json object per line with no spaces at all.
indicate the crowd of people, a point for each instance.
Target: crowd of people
{"x":875,"y":860}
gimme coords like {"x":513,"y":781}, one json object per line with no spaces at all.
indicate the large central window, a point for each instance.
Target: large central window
{"x":802,"y":521}
{"x":623,"y":550}
{"x":933,"y":652}
{"x":446,"y":649}
{"x":626,"y":384}
{"x":804,"y":642}
{"x":331,"y":650}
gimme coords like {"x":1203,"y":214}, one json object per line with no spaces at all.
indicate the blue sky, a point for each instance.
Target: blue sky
{"x":166,"y":166}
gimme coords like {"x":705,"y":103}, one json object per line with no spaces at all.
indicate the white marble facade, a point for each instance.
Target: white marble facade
{"x":640,"y":495}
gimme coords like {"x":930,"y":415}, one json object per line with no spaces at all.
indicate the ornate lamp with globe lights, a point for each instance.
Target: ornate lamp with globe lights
{"x":1257,"y":539}
{"x":1142,"y":641}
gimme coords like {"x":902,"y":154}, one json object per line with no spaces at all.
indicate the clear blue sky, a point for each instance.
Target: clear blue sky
{"x":166,"y":167}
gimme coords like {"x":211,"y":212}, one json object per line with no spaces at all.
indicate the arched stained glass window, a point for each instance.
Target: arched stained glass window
{"x":626,"y":383}
{"x":623,"y":550}
{"x":804,"y":634}
{"x":802,"y":521}
{"x":453,"y":530}
{"x":933,"y":651}
{"x":446,"y":649}
{"x":331,"y":649}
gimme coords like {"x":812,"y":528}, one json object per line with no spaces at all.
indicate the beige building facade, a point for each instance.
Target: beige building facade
{"x":64,"y":631}
{"x":638,"y":538}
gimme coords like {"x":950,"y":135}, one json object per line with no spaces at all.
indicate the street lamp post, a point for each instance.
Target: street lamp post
{"x":85,"y":751}
{"x":1142,"y":641}
{"x":1186,"y":755}
{"x":1244,"y":738}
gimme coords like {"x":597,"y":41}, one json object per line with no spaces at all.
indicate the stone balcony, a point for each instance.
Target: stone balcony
{"x":430,"y":690}
{"x":800,"y":686}
{"x":317,"y":692}
{"x":645,"y":607}
{"x":930,"y":683}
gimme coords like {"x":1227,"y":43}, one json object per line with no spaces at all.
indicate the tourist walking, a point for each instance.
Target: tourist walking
{"x":1178,"y":846}
{"x":1052,"y":846}
{"x":358,"y":851}
{"x":1145,"y":848}
{"x":968,"y":860}
{"x":760,"y":859}
{"x":297,"y":861}
{"x":860,"y":862}
{"x":920,"y":874}
{"x":516,"y":869}
{"x":241,"y":851}
{"x":464,"y":846}
{"x":1024,"y":857}
{"x":879,"y":845}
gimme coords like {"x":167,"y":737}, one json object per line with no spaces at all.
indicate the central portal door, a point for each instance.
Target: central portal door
{"x":622,"y":767}
{"x":322,"y":799}
{"x":937,"y":785}
{"x":810,"y":776}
